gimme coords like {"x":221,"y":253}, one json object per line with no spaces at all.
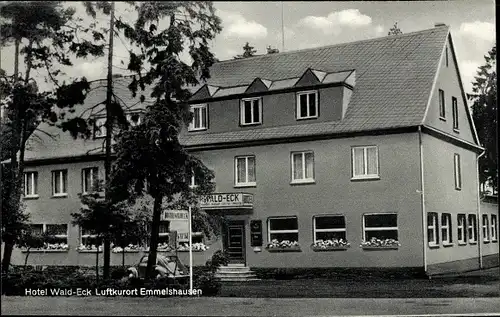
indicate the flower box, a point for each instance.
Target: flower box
{"x":329,"y":248}
{"x":88,"y":249}
{"x":44,"y":250}
{"x":284,"y":249}
{"x":377,"y":244}
{"x":330,"y":245}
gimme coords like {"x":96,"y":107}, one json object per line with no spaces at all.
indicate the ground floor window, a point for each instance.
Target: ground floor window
{"x":461,"y":229}
{"x":486,"y":229}
{"x":380,"y":230}
{"x":472,"y":228}
{"x":446,"y":229}
{"x":50,"y":236}
{"x":283,"y":229}
{"x":432,"y":229}
{"x":329,"y":227}
{"x":89,"y":240}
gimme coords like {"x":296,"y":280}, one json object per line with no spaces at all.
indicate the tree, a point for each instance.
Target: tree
{"x":395,"y":30}
{"x":248,"y":51}
{"x":46,"y":34}
{"x":161,"y":160}
{"x":484,"y":114}
{"x":271,"y":50}
{"x":29,"y":239}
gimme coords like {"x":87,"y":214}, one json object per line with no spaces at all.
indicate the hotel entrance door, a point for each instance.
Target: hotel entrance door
{"x":235,"y":241}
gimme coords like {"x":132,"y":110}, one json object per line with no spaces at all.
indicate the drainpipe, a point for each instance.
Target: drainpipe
{"x":479,"y":216}
{"x":422,"y":195}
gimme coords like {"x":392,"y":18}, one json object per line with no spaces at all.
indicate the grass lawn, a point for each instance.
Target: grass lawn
{"x":482,"y":284}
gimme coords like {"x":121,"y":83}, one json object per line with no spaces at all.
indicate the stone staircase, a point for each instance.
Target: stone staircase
{"x":235,"y":273}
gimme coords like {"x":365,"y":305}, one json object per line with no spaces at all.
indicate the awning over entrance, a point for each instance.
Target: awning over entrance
{"x":226,"y":201}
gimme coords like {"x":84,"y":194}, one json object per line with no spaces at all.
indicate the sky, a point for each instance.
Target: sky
{"x":308,"y":24}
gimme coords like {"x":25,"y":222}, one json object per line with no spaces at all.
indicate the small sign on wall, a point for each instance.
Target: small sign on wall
{"x":256,"y":233}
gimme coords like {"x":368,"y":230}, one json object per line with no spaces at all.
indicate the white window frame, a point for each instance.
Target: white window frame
{"x":365,"y":174}
{"x":269,"y":231}
{"x":454,"y":108}
{"x":494,"y":228}
{"x":33,"y":178}
{"x":62,"y":179}
{"x":434,"y":226}
{"x":247,"y":176}
{"x":442,"y":101}
{"x":485,"y":228}
{"x":44,"y":230}
{"x":378,"y":228}
{"x":305,"y":179}
{"x":462,"y":227}
{"x":308,"y":92}
{"x":446,"y":229}
{"x":86,"y":236}
{"x":252,"y":110}
{"x":327,"y":230}
{"x":201,"y":127}
{"x":100,"y":125}
{"x":192,"y":183}
{"x":92,"y":180}
{"x":457,"y":170}
{"x":472,"y":227}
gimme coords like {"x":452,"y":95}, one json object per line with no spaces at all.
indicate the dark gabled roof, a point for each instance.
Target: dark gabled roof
{"x":394,"y":76}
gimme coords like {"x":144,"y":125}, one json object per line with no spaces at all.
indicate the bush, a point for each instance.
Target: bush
{"x":218,"y":258}
{"x":208,"y":283}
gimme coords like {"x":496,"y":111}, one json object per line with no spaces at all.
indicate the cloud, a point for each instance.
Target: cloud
{"x":334,"y":20}
{"x":468,"y":69}
{"x":236,"y":25}
{"x":379,"y":30}
{"x":92,"y":70}
{"x":478,"y":30}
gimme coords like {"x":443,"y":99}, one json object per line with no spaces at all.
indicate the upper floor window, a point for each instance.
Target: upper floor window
{"x":472,"y":228}
{"x":245,"y":171}
{"x":30,"y":184}
{"x":455,"y":112}
{"x":486,"y":229}
{"x":494,"y":228}
{"x":457,"y":171}
{"x":442,"y":106}
{"x":89,"y":176}
{"x":380,"y":226}
{"x":283,"y":228}
{"x":446,"y":52}
{"x":251,"y":111}
{"x":329,"y":227}
{"x":432,"y":229}
{"x":365,"y":162}
{"x":302,"y":167}
{"x":100,"y":127}
{"x":307,"y":104}
{"x":59,"y":182}
{"x":200,"y":118}
{"x":461,"y":229}
{"x":446,"y":229}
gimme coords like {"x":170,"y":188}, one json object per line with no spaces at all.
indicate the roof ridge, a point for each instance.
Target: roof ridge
{"x":333,"y":45}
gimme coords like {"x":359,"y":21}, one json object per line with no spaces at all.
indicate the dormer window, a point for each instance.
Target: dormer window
{"x":307,"y":104}
{"x":251,"y":111}
{"x":200,"y":118}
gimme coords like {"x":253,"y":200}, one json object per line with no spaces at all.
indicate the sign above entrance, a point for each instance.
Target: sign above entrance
{"x":226,"y":201}
{"x":169,"y":215}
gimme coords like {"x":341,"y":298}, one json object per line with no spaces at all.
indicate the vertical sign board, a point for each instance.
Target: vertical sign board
{"x":256,"y":233}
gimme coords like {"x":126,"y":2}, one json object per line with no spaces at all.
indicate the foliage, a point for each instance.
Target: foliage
{"x":218,"y":258}
{"x":248,"y":51}
{"x":395,"y":30}
{"x":271,"y":50}
{"x":484,"y":114}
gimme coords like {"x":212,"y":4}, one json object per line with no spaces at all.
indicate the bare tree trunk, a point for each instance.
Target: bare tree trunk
{"x":155,"y":228}
{"x":109,"y":129}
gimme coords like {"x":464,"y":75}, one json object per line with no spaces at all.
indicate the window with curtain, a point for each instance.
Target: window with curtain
{"x":365,"y":162}
{"x":302,"y":167}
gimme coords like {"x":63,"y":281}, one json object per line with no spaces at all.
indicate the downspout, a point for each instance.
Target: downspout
{"x":422,"y":195}
{"x":479,"y":216}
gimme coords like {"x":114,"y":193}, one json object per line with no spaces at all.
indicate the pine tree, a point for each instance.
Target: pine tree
{"x":248,"y":51}
{"x":395,"y":30}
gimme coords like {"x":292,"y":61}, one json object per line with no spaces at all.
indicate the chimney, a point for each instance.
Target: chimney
{"x":439,"y":24}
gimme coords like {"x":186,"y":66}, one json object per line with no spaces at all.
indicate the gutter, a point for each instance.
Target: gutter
{"x":479,"y":216}
{"x":422,"y":195}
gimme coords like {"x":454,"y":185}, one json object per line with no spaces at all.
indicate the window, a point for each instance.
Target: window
{"x":245,"y":171}
{"x":442,"y":106}
{"x":486,"y":229}
{"x":89,"y":176}
{"x":472,"y":228}
{"x":380,"y":226}
{"x":89,"y":240}
{"x":365,"y":162}
{"x":307,"y":105}
{"x":458,"y":172}
{"x":192,"y":182}
{"x":134,"y":119}
{"x":283,"y":228}
{"x":303,"y":167}
{"x":55,"y":236}
{"x":432,"y":229}
{"x":455,"y":112}
{"x":494,"y":228}
{"x":329,"y":228}
{"x":31,"y":184}
{"x":461,"y":229}
{"x":200,"y":118}
{"x":251,"y":111}
{"x":446,"y":52}
{"x":446,"y":229}
{"x":59,"y":183}
{"x":100,"y":127}
{"x":164,"y":230}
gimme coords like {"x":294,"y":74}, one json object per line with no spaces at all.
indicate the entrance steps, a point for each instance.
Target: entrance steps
{"x":235,"y":273}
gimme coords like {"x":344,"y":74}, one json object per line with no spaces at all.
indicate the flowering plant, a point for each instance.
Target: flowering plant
{"x":378,"y":243}
{"x":275,"y":244}
{"x":162,"y":247}
{"x":52,"y":246}
{"x":200,"y":246}
{"x":330,"y":244}
{"x":128,"y":248}
{"x":92,"y":247}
